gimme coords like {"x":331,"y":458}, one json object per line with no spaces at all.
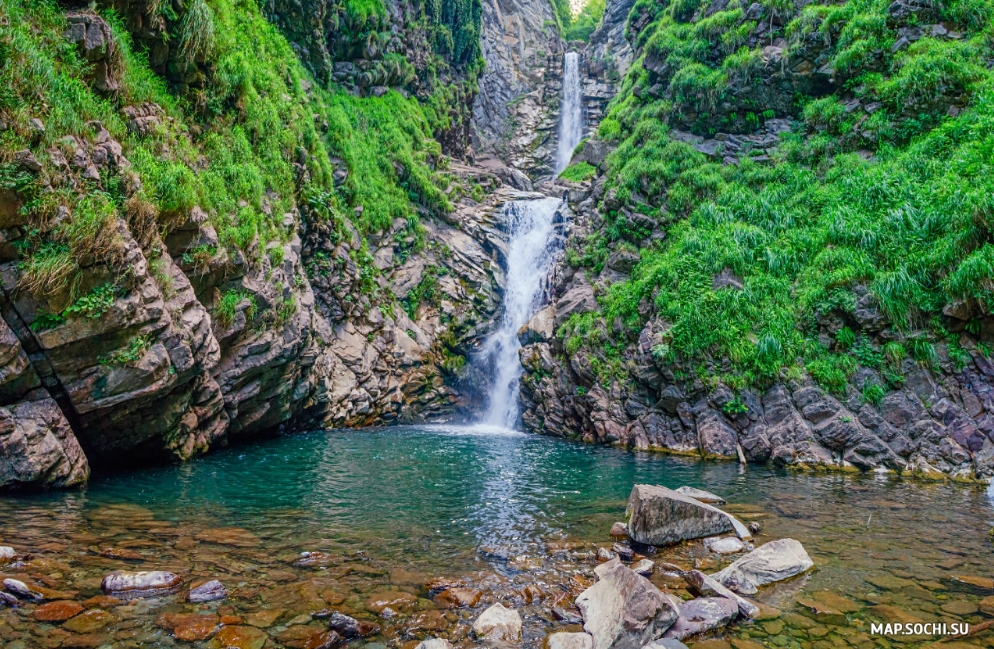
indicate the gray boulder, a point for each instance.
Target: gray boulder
{"x":623,"y":610}
{"x":661,"y":516}
{"x":38,"y":448}
{"x":564,"y":640}
{"x":579,"y":299}
{"x":775,"y":561}
{"x":540,"y":328}
{"x":702,"y":615}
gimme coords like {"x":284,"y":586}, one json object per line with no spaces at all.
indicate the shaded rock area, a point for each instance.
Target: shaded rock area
{"x":661,"y":516}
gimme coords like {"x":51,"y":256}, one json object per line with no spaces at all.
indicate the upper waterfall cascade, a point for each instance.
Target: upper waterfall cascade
{"x":530,"y":256}
{"x":570,"y":113}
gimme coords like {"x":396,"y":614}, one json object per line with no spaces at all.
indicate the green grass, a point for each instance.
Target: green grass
{"x":579,"y":172}
{"x":913,"y":226}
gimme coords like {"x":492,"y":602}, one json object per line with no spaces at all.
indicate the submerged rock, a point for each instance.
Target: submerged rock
{"x":726,"y":545}
{"x":661,"y":516}
{"x":623,"y":609}
{"x":498,"y":623}
{"x":702,"y":615}
{"x":349,"y":627}
{"x":21,"y":590}
{"x":775,"y":561}
{"x":140,"y":584}
{"x":207,"y":592}
{"x":665,"y":643}
{"x":7,"y":554}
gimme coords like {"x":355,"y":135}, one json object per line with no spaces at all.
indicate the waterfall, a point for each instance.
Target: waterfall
{"x":531,"y":253}
{"x":570,"y":112}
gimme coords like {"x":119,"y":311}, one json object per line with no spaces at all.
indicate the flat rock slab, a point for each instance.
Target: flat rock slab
{"x":661,"y":516}
{"x":238,"y":637}
{"x":624,"y":609}
{"x":775,"y":561}
{"x":58,"y":611}
{"x":700,"y":495}
{"x":702,"y":615}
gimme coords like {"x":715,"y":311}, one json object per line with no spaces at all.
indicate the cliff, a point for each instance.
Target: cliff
{"x":780,"y":251}
{"x":205,"y":239}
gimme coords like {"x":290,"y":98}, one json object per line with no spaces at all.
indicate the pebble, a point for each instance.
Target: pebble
{"x":7,"y":554}
{"x":603,"y":554}
{"x":619,"y":530}
{"x":644,"y":567}
{"x":208,"y":591}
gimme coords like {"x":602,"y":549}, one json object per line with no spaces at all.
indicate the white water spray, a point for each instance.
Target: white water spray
{"x":531,"y":254}
{"x":570,"y":112}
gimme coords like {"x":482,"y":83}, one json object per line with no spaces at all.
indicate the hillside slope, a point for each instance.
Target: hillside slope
{"x":787,"y":254}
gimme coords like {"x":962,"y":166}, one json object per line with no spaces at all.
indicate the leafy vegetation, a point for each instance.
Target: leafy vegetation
{"x":580,"y":26}
{"x":903,"y":224}
{"x":579,"y":172}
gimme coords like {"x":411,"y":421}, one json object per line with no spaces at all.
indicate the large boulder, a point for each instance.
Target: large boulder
{"x":579,"y":299}
{"x":540,"y":328}
{"x":661,"y":516}
{"x":38,"y":448}
{"x":624,"y":610}
{"x":702,"y":615}
{"x":775,"y":561}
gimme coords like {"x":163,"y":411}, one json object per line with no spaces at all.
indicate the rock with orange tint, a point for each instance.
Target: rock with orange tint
{"x":238,"y":637}
{"x":395,"y":600}
{"x":233,"y":536}
{"x":57,"y":611}
{"x":101,"y":601}
{"x":265,"y":618}
{"x":325,"y":640}
{"x":439,"y":584}
{"x":196,"y":628}
{"x":90,"y":621}
{"x":459,"y":597}
{"x":298,"y":637}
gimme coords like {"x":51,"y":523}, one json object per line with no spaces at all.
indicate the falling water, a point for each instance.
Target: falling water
{"x":571,"y":112}
{"x":531,"y":253}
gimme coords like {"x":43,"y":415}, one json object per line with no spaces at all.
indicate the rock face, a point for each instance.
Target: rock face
{"x":774,"y":561}
{"x":661,"y":516}
{"x":37,"y":447}
{"x":624,"y":610}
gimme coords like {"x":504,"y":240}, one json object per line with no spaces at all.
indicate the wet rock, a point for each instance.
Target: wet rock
{"x":661,"y":516}
{"x":709,"y":587}
{"x":394,"y":600}
{"x":459,"y":597}
{"x":130,"y":585}
{"x":665,"y":643}
{"x":499,"y":624}
{"x":623,"y":551}
{"x":619,"y":530}
{"x":21,"y":590}
{"x":121,"y":554}
{"x":238,"y":637}
{"x":196,"y":628}
{"x":755,"y":527}
{"x":6,"y":599}
{"x":58,"y":611}
{"x":986,"y":605}
{"x":349,"y":627}
{"x":90,"y":621}
{"x":540,"y":328}
{"x":233,"y":536}
{"x":821,"y":612}
{"x":434,"y":643}
{"x":702,"y":615}
{"x":265,"y":618}
{"x":726,"y":545}
{"x":566,"y":640}
{"x":775,"y":561}
{"x":603,"y":554}
{"x":325,"y":640}
{"x":207,"y":592}
{"x":643,"y":567}
{"x":313,"y":559}
{"x":7,"y":554}
{"x":623,"y":609}
{"x":700,"y":495}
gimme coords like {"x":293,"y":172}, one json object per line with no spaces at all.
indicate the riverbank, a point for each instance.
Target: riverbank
{"x":517,"y":518}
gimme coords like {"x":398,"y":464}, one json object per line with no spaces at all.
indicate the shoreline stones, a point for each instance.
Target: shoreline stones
{"x":624,"y":609}
{"x":661,"y":516}
{"x":775,"y":561}
{"x":131,"y":585}
{"x":700,"y":495}
{"x":569,"y":640}
{"x":498,"y":624}
{"x":701,"y":615}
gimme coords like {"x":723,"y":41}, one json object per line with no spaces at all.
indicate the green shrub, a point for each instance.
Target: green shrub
{"x":579,"y":172}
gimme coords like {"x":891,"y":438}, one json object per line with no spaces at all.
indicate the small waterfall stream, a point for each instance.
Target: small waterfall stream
{"x":533,"y":247}
{"x":570,"y":112}
{"x":530,"y":256}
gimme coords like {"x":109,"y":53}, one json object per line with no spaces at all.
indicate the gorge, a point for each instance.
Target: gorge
{"x":359,"y":320}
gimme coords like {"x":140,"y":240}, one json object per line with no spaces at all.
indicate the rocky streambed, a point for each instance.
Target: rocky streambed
{"x":388,"y":538}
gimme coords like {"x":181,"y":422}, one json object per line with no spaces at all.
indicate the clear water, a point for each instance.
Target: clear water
{"x":570,"y":113}
{"x":501,"y":510}
{"x":532,"y":251}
